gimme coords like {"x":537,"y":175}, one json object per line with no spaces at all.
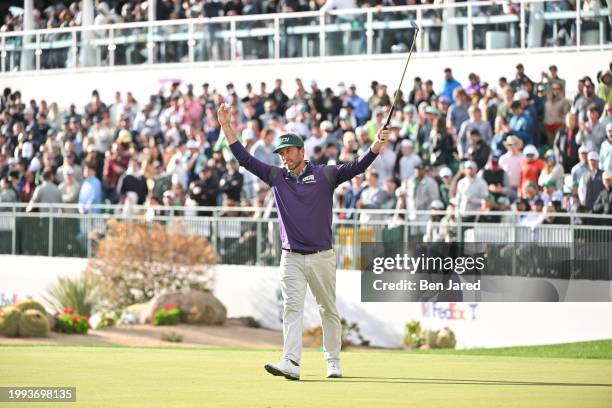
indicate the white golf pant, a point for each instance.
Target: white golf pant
{"x":319,"y":272}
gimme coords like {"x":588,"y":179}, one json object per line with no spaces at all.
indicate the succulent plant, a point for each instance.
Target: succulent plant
{"x":9,"y":321}
{"x":33,"y":323}
{"x":29,"y":304}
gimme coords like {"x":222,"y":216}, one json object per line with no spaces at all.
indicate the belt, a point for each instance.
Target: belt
{"x":301,"y":251}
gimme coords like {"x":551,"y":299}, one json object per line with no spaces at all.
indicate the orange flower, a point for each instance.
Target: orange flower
{"x":85,"y":317}
{"x":68,"y":310}
{"x":75,"y":319}
{"x":170,"y":307}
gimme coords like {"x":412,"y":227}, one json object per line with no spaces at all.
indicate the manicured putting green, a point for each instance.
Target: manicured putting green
{"x":199,"y":377}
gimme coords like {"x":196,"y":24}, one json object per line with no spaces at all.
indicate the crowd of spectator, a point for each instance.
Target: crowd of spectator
{"x":470,"y":148}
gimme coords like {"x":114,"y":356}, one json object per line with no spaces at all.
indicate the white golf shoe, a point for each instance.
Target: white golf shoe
{"x":284,"y":368}
{"x":333,"y":369}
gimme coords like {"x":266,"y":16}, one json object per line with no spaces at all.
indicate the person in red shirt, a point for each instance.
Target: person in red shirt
{"x":531,"y":166}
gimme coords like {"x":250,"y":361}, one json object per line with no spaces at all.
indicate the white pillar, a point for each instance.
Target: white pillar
{"x":536,"y":25}
{"x":449,"y":40}
{"x":88,"y":53}
{"x":152,"y":9}
{"x":27,"y":56}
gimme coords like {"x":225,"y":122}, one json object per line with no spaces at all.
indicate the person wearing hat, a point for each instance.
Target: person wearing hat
{"x":375,"y":123}
{"x":549,"y":189}
{"x":471,"y":189}
{"x":566,"y":144}
{"x":70,"y":161}
{"x":591,"y":182}
{"x":582,"y":166}
{"x":372,"y":196}
{"x":605,"y":152}
{"x":358,"y":105}
{"x":404,"y":167}
{"x":8,"y":194}
{"x":410,"y":126}
{"x":133,"y":183}
{"x":417,"y":193}
{"x":531,"y":166}
{"x":551,"y":170}
{"x":511,"y":162}
{"x":603,"y":203}
{"x":585,"y":99}
{"x":70,"y":188}
{"x":556,"y":108}
{"x":303,"y":194}
{"x":432,"y":231}
{"x":446,"y":179}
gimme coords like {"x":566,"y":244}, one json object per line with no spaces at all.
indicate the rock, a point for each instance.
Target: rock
{"x":197,"y":307}
{"x":139,"y":313}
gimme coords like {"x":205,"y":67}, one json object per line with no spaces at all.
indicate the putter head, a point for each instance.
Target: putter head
{"x":414,"y":25}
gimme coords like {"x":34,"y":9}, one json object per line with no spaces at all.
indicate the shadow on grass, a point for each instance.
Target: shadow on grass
{"x":455,"y":381}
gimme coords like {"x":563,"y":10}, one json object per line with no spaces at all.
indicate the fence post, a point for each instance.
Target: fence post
{"x":14,"y":234}
{"x":369,"y":33}
{"x":522,"y":25}
{"x":322,"y":35}
{"x":258,"y":242}
{"x":50,"y":242}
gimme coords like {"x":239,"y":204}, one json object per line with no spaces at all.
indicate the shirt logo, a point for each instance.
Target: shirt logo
{"x":309,"y":179}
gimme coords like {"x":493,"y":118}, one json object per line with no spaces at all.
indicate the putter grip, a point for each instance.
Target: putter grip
{"x":389,"y":117}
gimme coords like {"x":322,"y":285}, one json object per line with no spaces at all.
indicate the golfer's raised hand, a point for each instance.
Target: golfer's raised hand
{"x":382,"y":135}
{"x":224,"y":114}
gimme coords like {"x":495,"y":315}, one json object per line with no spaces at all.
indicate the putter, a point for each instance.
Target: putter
{"x":416,"y":33}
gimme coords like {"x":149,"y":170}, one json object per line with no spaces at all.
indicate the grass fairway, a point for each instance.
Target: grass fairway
{"x":199,"y":377}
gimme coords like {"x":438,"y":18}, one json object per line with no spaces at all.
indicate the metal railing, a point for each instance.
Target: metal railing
{"x":250,"y":235}
{"x":454,"y":28}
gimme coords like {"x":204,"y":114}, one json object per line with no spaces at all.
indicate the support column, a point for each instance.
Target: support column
{"x":27,"y":55}
{"x":87,"y":55}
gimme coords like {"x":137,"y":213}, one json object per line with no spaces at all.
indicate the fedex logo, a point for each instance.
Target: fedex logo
{"x":449,"y":311}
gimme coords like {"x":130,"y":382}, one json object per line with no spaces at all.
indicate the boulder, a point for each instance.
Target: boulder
{"x":138,"y":313}
{"x":197,"y":307}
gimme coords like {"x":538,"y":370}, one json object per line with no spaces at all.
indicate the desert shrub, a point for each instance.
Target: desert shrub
{"x":33,"y":323}
{"x":412,"y":337}
{"x":172,"y":337}
{"x":351,"y":334}
{"x":416,"y":337}
{"x":29,"y":304}
{"x":9,"y":321}
{"x":446,"y":338}
{"x":169,"y":315}
{"x":80,"y":294}
{"x":70,"y":322}
{"x":135,"y":261}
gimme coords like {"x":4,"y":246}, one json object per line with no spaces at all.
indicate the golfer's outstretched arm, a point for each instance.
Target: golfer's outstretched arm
{"x":258,"y":168}
{"x":349,"y":170}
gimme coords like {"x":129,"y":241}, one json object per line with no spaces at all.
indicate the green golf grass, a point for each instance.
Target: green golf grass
{"x":201,"y":377}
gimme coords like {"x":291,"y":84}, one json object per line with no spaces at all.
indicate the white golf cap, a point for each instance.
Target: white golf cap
{"x":583,"y":149}
{"x":406,"y":143}
{"x":192,"y":144}
{"x":470,"y":164}
{"x":445,"y":172}
{"x":437,"y":205}
{"x":521,"y":94}
{"x":327,"y":126}
{"x":593,"y":156}
{"x":531,"y":149}
{"x":68,"y":170}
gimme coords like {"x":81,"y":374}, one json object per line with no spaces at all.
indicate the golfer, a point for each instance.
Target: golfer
{"x":303,"y":193}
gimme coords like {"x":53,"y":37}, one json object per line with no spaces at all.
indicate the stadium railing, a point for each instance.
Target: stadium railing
{"x":479,"y":27}
{"x":250,"y":236}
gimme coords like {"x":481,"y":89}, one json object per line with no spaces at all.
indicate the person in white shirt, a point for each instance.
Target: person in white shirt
{"x":316,"y":139}
{"x":471,"y":190}
{"x":408,"y":160}
{"x":511,"y":163}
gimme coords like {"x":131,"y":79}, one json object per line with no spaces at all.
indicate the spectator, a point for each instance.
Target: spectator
{"x":592,"y":132}
{"x":603,"y":203}
{"x":46,"y":193}
{"x":551,"y":171}
{"x":69,"y":188}
{"x":390,"y":200}
{"x":522,"y":124}
{"x":231,"y":184}
{"x":531,"y":166}
{"x":70,"y":161}
{"x":279,"y":97}
{"x":585,"y":98}
{"x":90,"y":194}
{"x":420,"y":190}
{"x":204,"y":191}
{"x":471,"y":189}
{"x":475,"y":122}
{"x":604,"y":88}
{"x":132,"y":186}
{"x":263,"y":149}
{"x":591,"y":183}
{"x":496,"y":178}
{"x":519,"y":78}
{"x":582,"y":166}
{"x":407,"y":161}
{"x":511,"y":162}
{"x":457,"y":113}
{"x":385,"y":162}
{"x":433,"y":231}
{"x":7,"y":192}
{"x":553,"y":78}
{"x":360,"y":105}
{"x":566,"y":144}
{"x":446,"y":178}
{"x":477,"y":150}
{"x":556,"y":109}
{"x":605,"y":152}
{"x":161,"y":182}
{"x":372,"y":196}
{"x":441,"y":146}
{"x":449,"y":85}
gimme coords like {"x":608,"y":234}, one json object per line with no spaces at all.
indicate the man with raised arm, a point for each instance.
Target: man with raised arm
{"x":303,"y":193}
